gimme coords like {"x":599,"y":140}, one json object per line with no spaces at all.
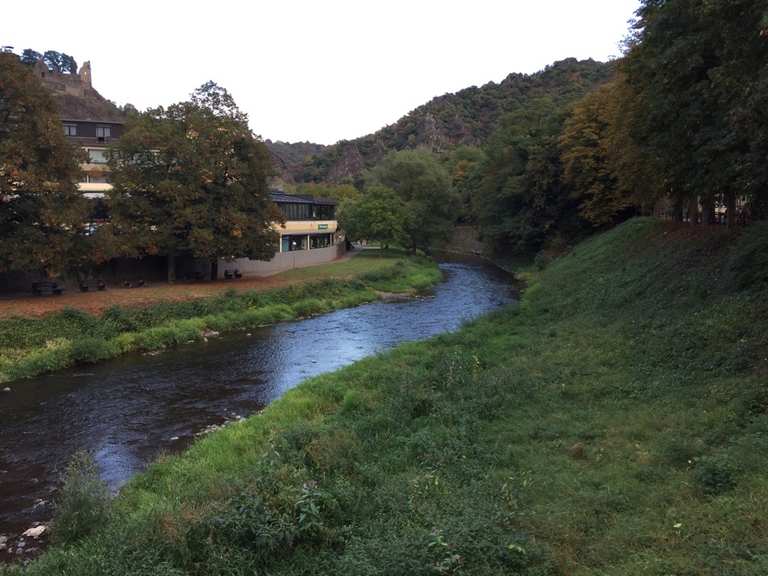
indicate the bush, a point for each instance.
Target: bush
{"x":91,"y":350}
{"x":83,"y":504}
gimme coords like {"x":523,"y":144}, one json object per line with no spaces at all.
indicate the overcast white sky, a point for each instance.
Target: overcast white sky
{"x":317,"y":70}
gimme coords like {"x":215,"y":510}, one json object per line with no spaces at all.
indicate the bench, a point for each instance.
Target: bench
{"x":47,"y":288}
{"x":88,"y":285}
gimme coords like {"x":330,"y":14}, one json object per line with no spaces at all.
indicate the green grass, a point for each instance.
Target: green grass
{"x":615,"y":422}
{"x":32,"y":346}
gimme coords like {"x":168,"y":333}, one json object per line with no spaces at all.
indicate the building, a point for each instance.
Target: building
{"x":90,"y":121}
{"x":309,"y":236}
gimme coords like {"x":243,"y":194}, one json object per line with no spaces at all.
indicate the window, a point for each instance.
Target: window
{"x":97,"y":178}
{"x":295,"y":211}
{"x":293,"y":242}
{"x":70,"y":129}
{"x":320,"y":241}
{"x":103,"y":132}
{"x":96,"y":156}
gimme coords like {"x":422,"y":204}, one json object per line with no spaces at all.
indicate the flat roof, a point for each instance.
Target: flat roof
{"x":283,"y":198}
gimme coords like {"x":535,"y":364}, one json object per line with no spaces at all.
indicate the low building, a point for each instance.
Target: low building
{"x":309,"y":236}
{"x":89,"y":120}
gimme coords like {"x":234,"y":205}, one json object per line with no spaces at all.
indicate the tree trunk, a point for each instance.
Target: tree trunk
{"x":171,"y":261}
{"x":214,"y":270}
{"x":677,"y":210}
{"x":708,"y":209}
{"x":730,"y":206}
{"x":693,"y":209}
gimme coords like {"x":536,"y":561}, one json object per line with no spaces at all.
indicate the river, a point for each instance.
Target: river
{"x":128,"y":410}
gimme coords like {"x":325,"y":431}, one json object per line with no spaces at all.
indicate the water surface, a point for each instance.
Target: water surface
{"x":128,"y":410}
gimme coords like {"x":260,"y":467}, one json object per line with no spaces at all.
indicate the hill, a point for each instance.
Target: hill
{"x":467,"y":117}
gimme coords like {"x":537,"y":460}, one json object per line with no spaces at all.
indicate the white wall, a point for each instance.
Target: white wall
{"x":282,"y":261}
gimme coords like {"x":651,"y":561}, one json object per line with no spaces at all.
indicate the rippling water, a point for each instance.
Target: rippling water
{"x":127,"y":410}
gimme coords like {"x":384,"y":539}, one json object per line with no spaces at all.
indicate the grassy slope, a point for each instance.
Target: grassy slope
{"x":31,"y":346}
{"x":615,"y":422}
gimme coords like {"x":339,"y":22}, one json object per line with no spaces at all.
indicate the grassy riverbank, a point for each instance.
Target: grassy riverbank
{"x":616,"y":422}
{"x":30,"y":346}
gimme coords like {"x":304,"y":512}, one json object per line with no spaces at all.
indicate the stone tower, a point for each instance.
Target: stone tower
{"x":85,"y":74}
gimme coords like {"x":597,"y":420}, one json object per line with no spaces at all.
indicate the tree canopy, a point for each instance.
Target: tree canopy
{"x":192,"y":179}
{"x":42,"y":214}
{"x":424,"y":186}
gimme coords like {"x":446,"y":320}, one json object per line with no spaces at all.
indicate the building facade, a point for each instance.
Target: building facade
{"x":309,"y":236}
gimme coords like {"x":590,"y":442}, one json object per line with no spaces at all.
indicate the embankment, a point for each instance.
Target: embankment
{"x":615,"y":422}
{"x":35,"y":345}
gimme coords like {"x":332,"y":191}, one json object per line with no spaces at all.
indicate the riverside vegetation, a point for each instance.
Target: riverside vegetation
{"x":614,"y":422}
{"x":32,"y":346}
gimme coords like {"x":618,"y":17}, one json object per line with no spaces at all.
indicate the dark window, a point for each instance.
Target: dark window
{"x":320,"y":240}
{"x":293,"y":242}
{"x":293,"y":211}
{"x":70,"y":129}
{"x":103,"y":132}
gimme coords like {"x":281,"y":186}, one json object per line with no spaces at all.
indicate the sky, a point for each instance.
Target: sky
{"x":314,"y":70}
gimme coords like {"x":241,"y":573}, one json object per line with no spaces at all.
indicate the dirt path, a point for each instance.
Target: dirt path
{"x":96,"y":302}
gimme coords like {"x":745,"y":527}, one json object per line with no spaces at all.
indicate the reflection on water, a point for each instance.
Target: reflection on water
{"x":128,"y":410}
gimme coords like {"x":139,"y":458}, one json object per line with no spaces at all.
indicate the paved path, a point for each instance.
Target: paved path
{"x":96,"y":302}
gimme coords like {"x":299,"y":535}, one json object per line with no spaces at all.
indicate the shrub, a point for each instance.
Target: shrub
{"x":91,"y":350}
{"x":83,"y":504}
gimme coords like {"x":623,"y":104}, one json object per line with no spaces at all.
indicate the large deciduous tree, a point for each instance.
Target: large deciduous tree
{"x":378,"y":215}
{"x":521,"y":203}
{"x":424,"y":187}
{"x":42,"y":214}
{"x":594,"y":147}
{"x":699,"y":71}
{"x":192,"y":179}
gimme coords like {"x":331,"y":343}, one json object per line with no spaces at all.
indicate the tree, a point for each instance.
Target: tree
{"x":42,"y":214}
{"x":698,"y":69}
{"x":377,"y":215}
{"x":59,"y":62}
{"x":589,"y":170}
{"x":521,"y":203}
{"x":192,"y":179}
{"x":29,"y":56}
{"x":338,"y":192}
{"x":465,"y":164}
{"x":424,"y":187}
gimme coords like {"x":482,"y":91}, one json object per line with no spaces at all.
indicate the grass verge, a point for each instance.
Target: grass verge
{"x":32,"y":346}
{"x":615,"y":422}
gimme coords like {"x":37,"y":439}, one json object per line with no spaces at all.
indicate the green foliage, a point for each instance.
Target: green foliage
{"x":700,"y":70}
{"x":428,"y":209}
{"x":377,"y":216}
{"x":83,"y":504}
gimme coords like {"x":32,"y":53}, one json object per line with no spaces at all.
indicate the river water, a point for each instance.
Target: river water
{"x":128,"y":410}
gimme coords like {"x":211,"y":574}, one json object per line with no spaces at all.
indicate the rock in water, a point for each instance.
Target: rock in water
{"x":35,"y":532}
